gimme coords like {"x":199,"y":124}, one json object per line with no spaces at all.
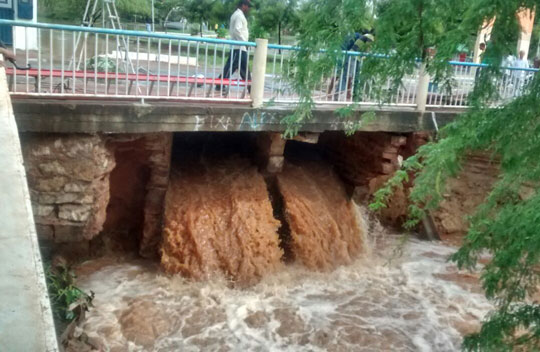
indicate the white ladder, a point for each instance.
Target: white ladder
{"x":108,"y":12}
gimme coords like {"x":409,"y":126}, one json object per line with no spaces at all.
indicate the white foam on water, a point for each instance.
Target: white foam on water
{"x":418,"y":302}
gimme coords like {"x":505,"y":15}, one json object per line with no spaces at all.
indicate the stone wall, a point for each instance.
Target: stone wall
{"x":70,"y":180}
{"x":68,"y":177}
{"x":463,"y":194}
{"x":89,"y":191}
{"x":159,"y":147}
{"x":367,"y":160}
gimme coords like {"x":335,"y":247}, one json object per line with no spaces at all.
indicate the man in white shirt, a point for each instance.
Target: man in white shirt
{"x":519,"y":75}
{"x":238,"y":58}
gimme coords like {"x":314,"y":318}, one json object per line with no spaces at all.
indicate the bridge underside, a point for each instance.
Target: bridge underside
{"x":92,"y":116}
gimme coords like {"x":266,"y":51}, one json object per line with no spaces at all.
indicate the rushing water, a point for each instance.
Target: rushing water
{"x":324,"y":229}
{"x":219,"y":223}
{"x":218,"y":218}
{"x":417,"y":302}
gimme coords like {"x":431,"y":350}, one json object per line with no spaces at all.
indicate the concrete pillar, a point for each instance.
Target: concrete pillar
{"x":271,"y":147}
{"x":422,"y":88}
{"x":259,"y":71}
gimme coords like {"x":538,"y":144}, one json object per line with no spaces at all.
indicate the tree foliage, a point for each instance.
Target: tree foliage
{"x":273,"y":16}
{"x":507,"y":224}
{"x":74,"y":9}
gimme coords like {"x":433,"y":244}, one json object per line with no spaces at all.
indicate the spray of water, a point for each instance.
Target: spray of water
{"x":419,"y":302}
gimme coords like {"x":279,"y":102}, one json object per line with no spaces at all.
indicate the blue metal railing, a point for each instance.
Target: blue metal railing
{"x":123,"y":32}
{"x":101,"y":62}
{"x":86,"y":61}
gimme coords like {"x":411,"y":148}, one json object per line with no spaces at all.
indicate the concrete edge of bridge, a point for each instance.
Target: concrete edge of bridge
{"x":69,"y":116}
{"x":26,"y":322}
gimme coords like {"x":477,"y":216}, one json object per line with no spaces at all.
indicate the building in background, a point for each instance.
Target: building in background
{"x":484,"y":35}
{"x":21,"y":10}
{"x":526,"y":21}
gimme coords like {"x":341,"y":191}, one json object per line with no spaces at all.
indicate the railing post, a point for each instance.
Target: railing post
{"x":259,"y":71}
{"x":422,"y":88}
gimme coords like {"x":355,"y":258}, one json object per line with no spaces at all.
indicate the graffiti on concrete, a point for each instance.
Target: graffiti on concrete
{"x":213,"y":123}
{"x":258,"y":119}
{"x":250,"y":121}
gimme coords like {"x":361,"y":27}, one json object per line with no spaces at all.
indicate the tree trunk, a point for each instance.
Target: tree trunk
{"x":279,"y":32}
{"x":200,"y":28}
{"x":279,"y":35}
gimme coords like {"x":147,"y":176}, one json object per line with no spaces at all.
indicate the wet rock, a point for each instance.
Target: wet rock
{"x":68,"y":233}
{"x":462,"y":195}
{"x":68,"y":179}
{"x":75,"y":187}
{"x":52,"y":184}
{"x":45,"y":232}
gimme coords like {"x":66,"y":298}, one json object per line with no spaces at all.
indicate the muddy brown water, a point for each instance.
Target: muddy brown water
{"x":418,"y":302}
{"x":324,"y":227}
{"x":218,"y":218}
{"x":346,"y":290}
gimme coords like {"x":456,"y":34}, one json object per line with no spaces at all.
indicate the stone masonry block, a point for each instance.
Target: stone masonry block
{"x":77,"y":213}
{"x":42,"y":210}
{"x":275,"y":164}
{"x":68,"y":233}
{"x":45,"y":232}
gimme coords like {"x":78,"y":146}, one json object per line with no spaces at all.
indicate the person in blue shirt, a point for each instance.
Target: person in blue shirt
{"x":354,"y":42}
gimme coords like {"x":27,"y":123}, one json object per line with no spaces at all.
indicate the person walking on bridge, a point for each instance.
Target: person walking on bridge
{"x":520,"y":73}
{"x":238,"y":58}
{"x":350,"y":66}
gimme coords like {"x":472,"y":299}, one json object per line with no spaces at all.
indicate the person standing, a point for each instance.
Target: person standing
{"x":520,"y":73}
{"x":238,"y":57}
{"x":355,"y":42}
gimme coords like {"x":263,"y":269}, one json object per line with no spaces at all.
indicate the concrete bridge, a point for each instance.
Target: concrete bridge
{"x":76,"y":116}
{"x":107,"y":65}
{"x":116,"y":81}
{"x":86,"y":101}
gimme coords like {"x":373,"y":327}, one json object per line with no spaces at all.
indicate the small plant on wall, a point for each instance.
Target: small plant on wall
{"x":68,"y":301}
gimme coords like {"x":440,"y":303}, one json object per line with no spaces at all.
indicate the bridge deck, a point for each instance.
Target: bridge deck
{"x":125,"y":116}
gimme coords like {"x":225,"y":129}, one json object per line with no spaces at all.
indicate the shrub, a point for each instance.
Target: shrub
{"x":221,"y":32}
{"x":68,"y":301}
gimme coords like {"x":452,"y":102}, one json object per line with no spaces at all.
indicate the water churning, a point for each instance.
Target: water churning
{"x":340,"y":293}
{"x":417,"y":302}
{"x":325,"y":231}
{"x":218,"y":219}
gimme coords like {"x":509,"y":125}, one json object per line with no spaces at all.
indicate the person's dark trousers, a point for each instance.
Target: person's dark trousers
{"x":238,"y":58}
